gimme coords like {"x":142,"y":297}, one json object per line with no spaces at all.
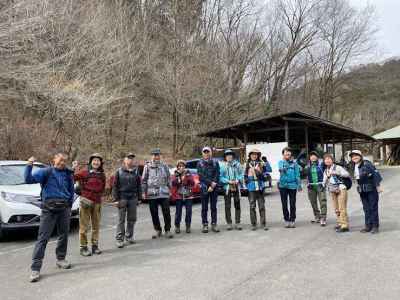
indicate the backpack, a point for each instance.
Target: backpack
{"x":346,"y":181}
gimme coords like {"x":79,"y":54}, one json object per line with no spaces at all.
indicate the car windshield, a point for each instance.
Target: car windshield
{"x":13,"y":174}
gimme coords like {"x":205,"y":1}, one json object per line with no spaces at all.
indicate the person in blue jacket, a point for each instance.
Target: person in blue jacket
{"x":369,"y":186}
{"x":231,"y":177}
{"x":254,"y":178}
{"x":289,"y":183}
{"x":57,"y":197}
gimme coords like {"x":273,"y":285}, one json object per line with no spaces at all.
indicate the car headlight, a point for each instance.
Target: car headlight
{"x":11,"y":197}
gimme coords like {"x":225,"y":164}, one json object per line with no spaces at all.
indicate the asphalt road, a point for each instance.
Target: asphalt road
{"x":309,"y":262}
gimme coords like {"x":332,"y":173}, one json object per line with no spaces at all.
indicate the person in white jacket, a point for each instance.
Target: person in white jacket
{"x":333,"y":181}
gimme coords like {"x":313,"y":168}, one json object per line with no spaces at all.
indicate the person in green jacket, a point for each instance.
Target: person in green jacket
{"x":231,"y":177}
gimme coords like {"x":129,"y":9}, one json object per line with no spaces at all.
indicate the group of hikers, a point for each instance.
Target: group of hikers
{"x":60,"y":183}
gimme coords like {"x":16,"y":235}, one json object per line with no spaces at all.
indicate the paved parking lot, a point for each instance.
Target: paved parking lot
{"x":309,"y":262}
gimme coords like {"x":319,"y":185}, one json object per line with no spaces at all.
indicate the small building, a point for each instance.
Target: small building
{"x":298,"y":129}
{"x":390,"y":145}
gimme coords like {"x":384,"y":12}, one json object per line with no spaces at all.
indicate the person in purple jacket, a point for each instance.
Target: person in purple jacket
{"x":57,"y":197}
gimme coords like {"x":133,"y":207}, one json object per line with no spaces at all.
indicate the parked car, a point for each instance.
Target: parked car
{"x":19,"y":202}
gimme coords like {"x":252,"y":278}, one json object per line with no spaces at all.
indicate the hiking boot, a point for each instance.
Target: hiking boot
{"x":214,"y":228}
{"x":375,"y":230}
{"x":265,"y":227}
{"x":254,"y":227}
{"x":85,"y":251}
{"x":120,"y":244}
{"x":188,"y":229}
{"x":156,"y":235}
{"x":205,"y":229}
{"x":96,"y":250}
{"x":238,"y":226}
{"x":35,"y":276}
{"x":337,"y":227}
{"x":292,"y":225}
{"x":341,"y":230}
{"x":366,"y":230}
{"x":63,"y":264}
{"x":130,"y":241}
{"x":230,"y":227}
{"x":168,"y":235}
{"x":323,"y":222}
{"x":177,"y":229}
{"x":287,"y":224}
{"x":316,"y":220}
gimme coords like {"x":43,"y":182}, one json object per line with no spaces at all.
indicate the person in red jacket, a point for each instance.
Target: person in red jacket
{"x":182,"y":186}
{"x":91,"y":181}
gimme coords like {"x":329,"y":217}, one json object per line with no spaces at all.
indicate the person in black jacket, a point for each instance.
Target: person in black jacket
{"x":369,"y":186}
{"x":125,"y":192}
{"x":208,"y":170}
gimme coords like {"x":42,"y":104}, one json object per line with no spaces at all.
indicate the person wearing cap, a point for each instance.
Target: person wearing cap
{"x":91,"y":181}
{"x":334,"y":182}
{"x":289,"y":184}
{"x":369,"y":186}
{"x":254,"y":178}
{"x":208,"y":171}
{"x":156,"y":188}
{"x":316,"y":190}
{"x":181,"y":193}
{"x":125,"y":192}
{"x":231,"y":177}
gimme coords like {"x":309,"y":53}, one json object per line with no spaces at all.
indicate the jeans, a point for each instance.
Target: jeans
{"x":178,"y":213}
{"x":89,"y":218}
{"x":370,"y":205}
{"x":228,"y":203}
{"x":288,"y":216}
{"x":211,"y":198}
{"x":48,"y":221}
{"x":254,"y":198}
{"x":127,"y":212}
{"x":164,"y":203}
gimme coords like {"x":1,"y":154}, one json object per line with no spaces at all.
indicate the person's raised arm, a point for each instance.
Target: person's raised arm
{"x":34,"y":177}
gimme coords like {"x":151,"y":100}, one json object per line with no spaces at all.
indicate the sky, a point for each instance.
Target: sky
{"x":388,"y":36}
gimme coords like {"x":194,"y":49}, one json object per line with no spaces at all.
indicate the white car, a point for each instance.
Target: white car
{"x":19,"y":202}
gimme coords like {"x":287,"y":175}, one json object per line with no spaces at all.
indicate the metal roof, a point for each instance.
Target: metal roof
{"x":390,"y":134}
{"x":271,"y":129}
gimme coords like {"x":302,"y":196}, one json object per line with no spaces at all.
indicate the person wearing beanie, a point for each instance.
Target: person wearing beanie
{"x":91,"y":181}
{"x":181,"y":191}
{"x":334,"y":181}
{"x":254,"y":178}
{"x":231,"y":177}
{"x":369,"y":186}
{"x":316,"y":190}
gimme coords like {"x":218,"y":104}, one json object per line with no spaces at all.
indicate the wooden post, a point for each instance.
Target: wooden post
{"x":307,"y":140}
{"x":321,"y":138}
{"x":334,"y":151}
{"x":287,"y":132}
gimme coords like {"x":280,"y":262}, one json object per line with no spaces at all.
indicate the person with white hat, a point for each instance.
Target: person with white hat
{"x":369,"y":186}
{"x":208,"y":170}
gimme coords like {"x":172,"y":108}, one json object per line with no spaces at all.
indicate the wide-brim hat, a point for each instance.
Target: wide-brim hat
{"x":356,"y":152}
{"x":95,"y":155}
{"x":255,"y":151}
